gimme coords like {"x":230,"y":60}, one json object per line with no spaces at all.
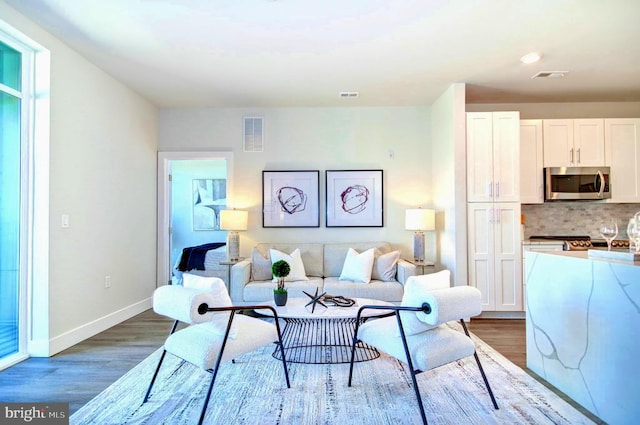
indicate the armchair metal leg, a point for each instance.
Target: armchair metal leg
{"x":353,"y":354}
{"x":284,"y":361}
{"x":484,"y":377}
{"x":353,"y":350}
{"x":206,"y":399}
{"x":486,"y":382}
{"x":411,"y":369}
{"x":155,"y":374}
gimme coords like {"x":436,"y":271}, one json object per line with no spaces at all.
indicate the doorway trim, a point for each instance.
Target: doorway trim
{"x":163,"y":275}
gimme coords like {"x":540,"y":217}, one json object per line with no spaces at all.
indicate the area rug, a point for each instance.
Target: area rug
{"x":253,"y":391}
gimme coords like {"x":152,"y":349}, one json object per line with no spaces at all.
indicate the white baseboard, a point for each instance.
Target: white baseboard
{"x":44,"y":348}
{"x":502,"y":315}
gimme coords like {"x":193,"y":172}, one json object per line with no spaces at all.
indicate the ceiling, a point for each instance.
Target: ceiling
{"x":279,"y":53}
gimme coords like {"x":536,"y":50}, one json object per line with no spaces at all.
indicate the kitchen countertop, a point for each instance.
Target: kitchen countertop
{"x":585,"y":255}
{"x":542,"y":242}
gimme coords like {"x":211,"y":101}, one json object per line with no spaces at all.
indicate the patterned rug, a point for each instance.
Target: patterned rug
{"x":253,"y":391}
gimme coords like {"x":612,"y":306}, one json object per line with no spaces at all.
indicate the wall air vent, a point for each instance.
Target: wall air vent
{"x":349,"y":94}
{"x":550,"y":74}
{"x":253,"y":134}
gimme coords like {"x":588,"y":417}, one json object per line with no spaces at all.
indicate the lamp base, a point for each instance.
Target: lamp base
{"x":233,"y":246}
{"x":418,"y":246}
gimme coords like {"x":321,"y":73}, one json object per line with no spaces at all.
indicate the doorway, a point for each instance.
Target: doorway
{"x":192,"y":188}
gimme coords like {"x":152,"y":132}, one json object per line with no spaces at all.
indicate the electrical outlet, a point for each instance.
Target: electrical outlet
{"x":107,"y":282}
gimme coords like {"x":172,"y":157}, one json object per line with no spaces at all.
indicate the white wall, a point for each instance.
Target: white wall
{"x":316,"y":139}
{"x":448,"y":156}
{"x":102,"y":144}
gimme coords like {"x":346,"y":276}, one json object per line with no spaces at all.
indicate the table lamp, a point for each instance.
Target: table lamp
{"x":232,"y":221}
{"x":419,"y":220}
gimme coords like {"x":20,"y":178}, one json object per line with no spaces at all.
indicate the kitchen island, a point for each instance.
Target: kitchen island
{"x":583,"y":330}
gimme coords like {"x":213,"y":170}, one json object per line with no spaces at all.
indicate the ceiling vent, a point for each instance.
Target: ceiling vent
{"x":349,"y":94}
{"x":550,"y":74}
{"x":254,"y":134}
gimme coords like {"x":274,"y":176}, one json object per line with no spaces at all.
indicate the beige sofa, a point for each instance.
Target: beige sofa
{"x":251,"y":279}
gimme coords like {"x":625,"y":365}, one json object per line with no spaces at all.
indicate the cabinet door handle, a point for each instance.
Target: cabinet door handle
{"x":571,"y":153}
{"x":490,"y":189}
{"x":498,"y":190}
{"x":497,"y":215}
{"x":491,"y":215}
{"x":578,"y":155}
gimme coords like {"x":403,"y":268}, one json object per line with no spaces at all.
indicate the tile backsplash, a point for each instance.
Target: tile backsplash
{"x":575,"y":218}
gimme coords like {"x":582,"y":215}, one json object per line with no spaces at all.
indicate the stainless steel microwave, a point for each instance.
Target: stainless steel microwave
{"x":576,"y":183}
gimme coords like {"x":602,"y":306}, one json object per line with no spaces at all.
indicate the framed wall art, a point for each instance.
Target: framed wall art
{"x":291,"y":198}
{"x":354,"y":198}
{"x":209,"y":198}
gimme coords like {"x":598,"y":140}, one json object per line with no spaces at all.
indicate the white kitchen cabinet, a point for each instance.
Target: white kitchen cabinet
{"x":493,"y":156}
{"x":622,"y":146}
{"x":574,"y":143}
{"x":494,"y":252}
{"x":531,"y":168}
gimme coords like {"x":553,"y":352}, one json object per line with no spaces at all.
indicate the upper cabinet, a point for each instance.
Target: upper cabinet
{"x":531,"y":174}
{"x":493,"y":157}
{"x":574,"y":143}
{"x":622,"y":145}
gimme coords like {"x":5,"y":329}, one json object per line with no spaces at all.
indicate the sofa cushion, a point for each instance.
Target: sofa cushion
{"x":357,"y":267}
{"x":335,"y":253}
{"x":311,"y":254}
{"x":385,"y":266}
{"x":260,"y":265}
{"x":376,"y":289}
{"x":263,"y":290}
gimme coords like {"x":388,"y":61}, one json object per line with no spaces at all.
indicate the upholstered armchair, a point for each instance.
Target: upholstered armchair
{"x":417,"y":333}
{"x":215,"y":333}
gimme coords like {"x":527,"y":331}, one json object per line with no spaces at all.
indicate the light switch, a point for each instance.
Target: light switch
{"x":65,"y":221}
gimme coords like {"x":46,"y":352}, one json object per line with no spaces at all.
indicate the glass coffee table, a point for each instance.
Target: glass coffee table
{"x":324,"y":335}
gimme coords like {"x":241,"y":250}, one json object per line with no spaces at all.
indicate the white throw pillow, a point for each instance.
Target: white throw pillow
{"x":358,"y":267}
{"x":260,"y":266}
{"x":385,"y":266}
{"x":295,"y":263}
{"x":218,"y":289}
{"x":415,"y":291}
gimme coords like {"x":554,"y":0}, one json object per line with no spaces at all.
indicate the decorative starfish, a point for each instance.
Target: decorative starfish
{"x":315,"y":299}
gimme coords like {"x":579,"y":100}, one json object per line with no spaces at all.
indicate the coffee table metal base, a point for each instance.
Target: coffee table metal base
{"x":322,"y":341}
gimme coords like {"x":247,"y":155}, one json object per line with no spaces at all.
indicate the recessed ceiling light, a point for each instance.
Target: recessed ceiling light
{"x":530,"y":58}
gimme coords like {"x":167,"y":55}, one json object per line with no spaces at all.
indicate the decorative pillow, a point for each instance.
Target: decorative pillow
{"x":260,"y":266}
{"x":415,"y":291}
{"x":385,"y":265}
{"x":295,"y":262}
{"x":218,"y":289}
{"x":358,"y":267}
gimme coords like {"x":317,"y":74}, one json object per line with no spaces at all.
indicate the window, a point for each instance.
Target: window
{"x":10,"y":188}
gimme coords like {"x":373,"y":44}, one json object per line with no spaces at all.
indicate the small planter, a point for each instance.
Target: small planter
{"x":280,"y":298}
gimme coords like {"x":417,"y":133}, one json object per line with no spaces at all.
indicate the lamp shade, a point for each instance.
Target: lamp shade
{"x":233,"y":220}
{"x":420,"y":219}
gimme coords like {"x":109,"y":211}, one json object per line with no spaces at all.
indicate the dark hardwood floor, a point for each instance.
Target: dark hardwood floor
{"x":81,"y":372}
{"x":506,"y":336}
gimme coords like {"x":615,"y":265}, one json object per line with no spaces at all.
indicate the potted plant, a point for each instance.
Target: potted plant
{"x":280,"y":270}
